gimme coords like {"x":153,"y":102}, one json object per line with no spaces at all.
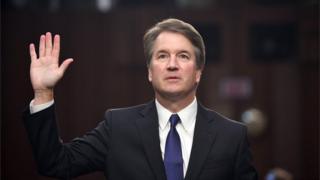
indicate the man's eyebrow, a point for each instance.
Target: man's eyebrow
{"x":161,"y":51}
{"x":178,"y":51}
{"x":184,"y":51}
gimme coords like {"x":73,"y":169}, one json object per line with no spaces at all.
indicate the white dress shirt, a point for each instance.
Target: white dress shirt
{"x":39,"y":107}
{"x":185,"y":129}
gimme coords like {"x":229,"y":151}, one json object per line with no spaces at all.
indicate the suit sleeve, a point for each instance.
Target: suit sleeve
{"x":244,"y":169}
{"x":56,"y":159}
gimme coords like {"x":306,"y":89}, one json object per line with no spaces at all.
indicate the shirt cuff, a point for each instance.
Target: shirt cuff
{"x":39,"y":107}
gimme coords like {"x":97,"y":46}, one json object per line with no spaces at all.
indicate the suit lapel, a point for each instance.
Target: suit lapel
{"x":204,"y":136}
{"x":148,"y":127}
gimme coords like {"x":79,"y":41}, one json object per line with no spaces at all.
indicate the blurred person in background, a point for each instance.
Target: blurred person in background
{"x":278,"y":174}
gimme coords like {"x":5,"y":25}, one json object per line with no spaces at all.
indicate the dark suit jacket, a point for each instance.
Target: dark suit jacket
{"x":126,"y":146}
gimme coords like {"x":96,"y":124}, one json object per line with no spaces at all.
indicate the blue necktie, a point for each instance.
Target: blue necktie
{"x":173,"y":161}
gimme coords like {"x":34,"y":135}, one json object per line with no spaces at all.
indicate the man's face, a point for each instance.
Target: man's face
{"x":173,"y":71}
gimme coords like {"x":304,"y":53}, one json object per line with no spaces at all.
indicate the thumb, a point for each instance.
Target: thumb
{"x":65,"y":64}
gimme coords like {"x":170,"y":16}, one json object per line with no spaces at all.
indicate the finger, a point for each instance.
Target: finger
{"x":48,"y":44}
{"x":56,"y":46}
{"x":33,"y":53}
{"x":65,"y":64}
{"x":41,"y":46}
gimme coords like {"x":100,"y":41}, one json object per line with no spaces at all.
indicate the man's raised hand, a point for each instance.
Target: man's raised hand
{"x":45,"y":70}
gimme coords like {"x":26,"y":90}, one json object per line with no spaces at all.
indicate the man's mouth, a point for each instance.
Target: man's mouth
{"x":172,"y":78}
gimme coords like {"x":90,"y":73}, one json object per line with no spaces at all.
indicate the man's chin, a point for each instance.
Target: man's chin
{"x":172,"y":95}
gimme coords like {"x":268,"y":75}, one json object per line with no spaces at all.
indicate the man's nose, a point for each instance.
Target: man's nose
{"x":172,"y":63}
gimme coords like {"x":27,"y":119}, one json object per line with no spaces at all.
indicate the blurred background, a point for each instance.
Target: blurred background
{"x":262,"y":69}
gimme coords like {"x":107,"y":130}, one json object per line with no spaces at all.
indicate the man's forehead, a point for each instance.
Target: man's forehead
{"x":165,"y":35}
{"x":168,"y":41}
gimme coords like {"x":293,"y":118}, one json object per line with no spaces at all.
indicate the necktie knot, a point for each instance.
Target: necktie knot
{"x":174,"y":119}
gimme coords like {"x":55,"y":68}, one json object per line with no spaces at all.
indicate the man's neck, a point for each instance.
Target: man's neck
{"x":175,"y":105}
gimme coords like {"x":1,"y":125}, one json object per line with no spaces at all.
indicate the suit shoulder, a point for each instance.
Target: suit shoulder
{"x":126,"y":110}
{"x":223,"y":120}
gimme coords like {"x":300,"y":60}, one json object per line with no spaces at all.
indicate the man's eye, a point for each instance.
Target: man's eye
{"x":184,"y":56}
{"x":162,"y":56}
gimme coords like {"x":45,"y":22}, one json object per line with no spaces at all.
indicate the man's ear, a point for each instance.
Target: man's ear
{"x":149,"y":75}
{"x":198,"y":75}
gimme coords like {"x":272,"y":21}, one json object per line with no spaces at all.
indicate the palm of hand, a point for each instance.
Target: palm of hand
{"x":44,"y":73}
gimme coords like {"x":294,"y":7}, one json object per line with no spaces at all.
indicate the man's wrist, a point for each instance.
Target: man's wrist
{"x":42,"y":96}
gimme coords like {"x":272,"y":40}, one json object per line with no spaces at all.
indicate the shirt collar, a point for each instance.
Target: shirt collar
{"x":187,"y":115}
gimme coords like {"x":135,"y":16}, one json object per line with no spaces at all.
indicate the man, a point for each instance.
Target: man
{"x":172,"y":137}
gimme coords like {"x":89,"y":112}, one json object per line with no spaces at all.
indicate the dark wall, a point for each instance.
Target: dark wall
{"x":109,"y":71}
